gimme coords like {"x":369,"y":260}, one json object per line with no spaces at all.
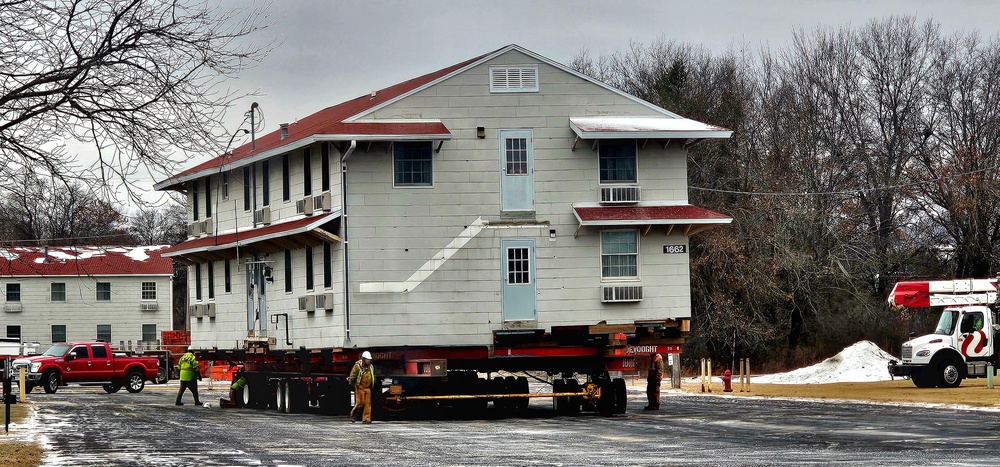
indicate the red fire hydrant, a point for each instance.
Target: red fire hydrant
{"x":727,"y":381}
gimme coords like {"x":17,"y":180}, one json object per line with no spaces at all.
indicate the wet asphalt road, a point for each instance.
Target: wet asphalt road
{"x":85,"y":426}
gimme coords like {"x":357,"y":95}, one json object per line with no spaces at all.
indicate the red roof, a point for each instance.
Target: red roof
{"x":330,"y":121}
{"x":625,"y":215}
{"x":85,"y":261}
{"x":246,"y":237}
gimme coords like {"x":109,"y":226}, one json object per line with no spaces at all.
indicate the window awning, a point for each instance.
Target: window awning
{"x":644,"y":128}
{"x":692,"y":219}
{"x":292,"y":234}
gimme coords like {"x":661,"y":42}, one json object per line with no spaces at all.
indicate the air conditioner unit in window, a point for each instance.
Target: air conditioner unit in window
{"x":262,"y":216}
{"x":322,"y":202}
{"x":148,"y":307}
{"x":304,"y":206}
{"x":197,"y":311}
{"x":620,"y":194}
{"x":210,"y":310}
{"x":195,"y":229}
{"x":621,"y":293}
{"x":324,"y":301}
{"x":307,"y":303}
{"x":207,"y":227}
{"x":12,"y":307}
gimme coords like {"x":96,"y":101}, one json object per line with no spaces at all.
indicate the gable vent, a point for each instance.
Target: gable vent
{"x":514,"y":78}
{"x":621,"y":293}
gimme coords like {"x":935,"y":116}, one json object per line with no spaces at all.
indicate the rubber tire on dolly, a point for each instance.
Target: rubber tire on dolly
{"x":573,"y":406}
{"x":560,"y":404}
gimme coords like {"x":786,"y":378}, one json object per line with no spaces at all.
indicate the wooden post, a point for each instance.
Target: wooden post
{"x":710,"y":375}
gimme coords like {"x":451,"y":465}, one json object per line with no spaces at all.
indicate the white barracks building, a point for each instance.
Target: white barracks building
{"x":506,"y":193}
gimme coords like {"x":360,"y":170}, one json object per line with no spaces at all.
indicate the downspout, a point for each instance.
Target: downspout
{"x":344,"y":237}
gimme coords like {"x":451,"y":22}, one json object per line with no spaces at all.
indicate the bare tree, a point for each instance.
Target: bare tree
{"x":163,"y":225}
{"x":139,"y":80}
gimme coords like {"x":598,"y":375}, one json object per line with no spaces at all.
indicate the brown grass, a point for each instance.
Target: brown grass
{"x":18,"y":453}
{"x":972,"y":392}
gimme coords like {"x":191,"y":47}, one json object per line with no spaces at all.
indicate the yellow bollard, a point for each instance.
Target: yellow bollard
{"x":20,"y":383}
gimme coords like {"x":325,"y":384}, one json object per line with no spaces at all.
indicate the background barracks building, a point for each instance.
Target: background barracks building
{"x":506,"y":192}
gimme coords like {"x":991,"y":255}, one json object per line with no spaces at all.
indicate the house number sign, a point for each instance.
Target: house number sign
{"x":670,"y":249}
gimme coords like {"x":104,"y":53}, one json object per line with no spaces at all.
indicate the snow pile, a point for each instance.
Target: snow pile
{"x":861,"y":362}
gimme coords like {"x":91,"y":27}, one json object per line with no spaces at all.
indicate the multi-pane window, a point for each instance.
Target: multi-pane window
{"x":265,"y":169}
{"x":104,"y":332}
{"x":412,"y":164}
{"x":148,"y":291}
{"x":58,"y":292}
{"x":246,"y":188}
{"x":194,"y":197}
{"x":13,"y":292}
{"x":517,"y":156}
{"x":104,"y":291}
{"x":225,"y":185}
{"x":325,"y":166}
{"x":307,"y":173}
{"x":288,"y":270}
{"x":309,"y":267}
{"x":286,"y":179}
{"x":148,"y":332}
{"x":14,"y":330}
{"x":327,"y":265}
{"x":518,"y":266}
{"x":197,"y":281}
{"x":620,"y":254}
{"x":58,"y":333}
{"x":229,"y":275}
{"x":211,"y":279}
{"x":618,"y":161}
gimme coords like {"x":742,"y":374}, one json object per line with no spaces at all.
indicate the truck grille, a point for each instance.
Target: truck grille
{"x":907,"y":352}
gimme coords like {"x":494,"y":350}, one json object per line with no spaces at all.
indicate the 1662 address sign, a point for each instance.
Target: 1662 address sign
{"x":669,"y":249}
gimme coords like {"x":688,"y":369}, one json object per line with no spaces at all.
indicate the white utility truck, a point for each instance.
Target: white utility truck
{"x":962,"y":345}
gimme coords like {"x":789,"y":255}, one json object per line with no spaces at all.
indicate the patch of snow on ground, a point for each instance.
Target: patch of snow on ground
{"x":861,"y":362}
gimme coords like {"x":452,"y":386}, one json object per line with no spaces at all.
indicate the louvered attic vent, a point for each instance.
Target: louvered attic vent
{"x":514,"y":78}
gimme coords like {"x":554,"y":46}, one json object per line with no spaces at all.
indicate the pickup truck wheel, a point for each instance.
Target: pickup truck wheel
{"x":28,"y":388}
{"x":111,"y":388}
{"x":162,"y":375}
{"x":51,"y":381}
{"x":134,"y":382}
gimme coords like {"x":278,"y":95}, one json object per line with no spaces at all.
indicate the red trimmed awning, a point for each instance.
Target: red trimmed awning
{"x":693,"y":218}
{"x":292,"y":234}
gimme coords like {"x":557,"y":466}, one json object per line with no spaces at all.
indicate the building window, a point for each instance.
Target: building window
{"x":58,"y":333}
{"x":148,"y":291}
{"x":517,"y":156}
{"x":514,"y":78}
{"x":225,"y":186}
{"x":211,"y":279}
{"x":246,"y":188}
{"x":411,"y":164}
{"x":325,"y":166}
{"x":327,"y":265}
{"x":58,"y":292}
{"x":227,"y":269}
{"x":194,"y":197}
{"x":307,"y":182}
{"x":518,"y":266}
{"x":13,"y":292}
{"x":265,"y":169}
{"x":14,"y":331}
{"x":618,"y":161}
{"x":309,"y":267}
{"x":104,"y":291}
{"x":208,"y":196}
{"x":197,"y":281}
{"x":104,"y":332}
{"x":288,"y":270}
{"x":620,"y":254}
{"x":286,"y":179}
{"x":148,"y":332}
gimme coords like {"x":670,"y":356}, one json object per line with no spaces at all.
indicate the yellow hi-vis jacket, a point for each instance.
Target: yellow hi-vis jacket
{"x":187,"y":364}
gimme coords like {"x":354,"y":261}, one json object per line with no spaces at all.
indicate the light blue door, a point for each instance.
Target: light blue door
{"x":518,"y":258}
{"x":517,"y":171}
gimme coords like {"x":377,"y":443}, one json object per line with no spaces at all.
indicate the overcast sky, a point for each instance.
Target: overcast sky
{"x":333,"y":51}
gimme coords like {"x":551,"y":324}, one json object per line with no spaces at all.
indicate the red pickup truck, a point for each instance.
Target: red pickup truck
{"x":87,"y":362}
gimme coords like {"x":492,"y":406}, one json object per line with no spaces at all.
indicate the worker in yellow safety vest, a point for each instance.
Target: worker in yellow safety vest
{"x":188,"y":365}
{"x":363,"y":379}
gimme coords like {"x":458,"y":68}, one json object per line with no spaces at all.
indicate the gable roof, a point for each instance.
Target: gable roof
{"x":342,"y":122}
{"x":84,"y":261}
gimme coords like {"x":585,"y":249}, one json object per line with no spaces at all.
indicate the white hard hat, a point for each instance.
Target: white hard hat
{"x":190,"y":347}
{"x":366,"y":355}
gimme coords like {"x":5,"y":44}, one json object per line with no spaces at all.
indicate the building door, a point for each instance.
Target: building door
{"x":517,"y":171}
{"x":518,"y":287}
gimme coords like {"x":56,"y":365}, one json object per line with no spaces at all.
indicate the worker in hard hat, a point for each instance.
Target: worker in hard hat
{"x":363,"y":379}
{"x":653,"y":379}
{"x":188,"y":366}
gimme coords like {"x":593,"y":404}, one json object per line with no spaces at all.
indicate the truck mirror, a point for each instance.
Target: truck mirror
{"x":71,"y":357}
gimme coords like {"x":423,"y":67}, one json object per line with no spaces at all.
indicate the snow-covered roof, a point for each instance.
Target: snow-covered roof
{"x":84,"y":261}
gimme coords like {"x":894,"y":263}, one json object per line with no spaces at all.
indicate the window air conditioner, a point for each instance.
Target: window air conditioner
{"x":148,"y":307}
{"x":307,"y":303}
{"x":621,"y":293}
{"x":322,"y":202}
{"x":304,"y":206}
{"x":262,"y":216}
{"x":620,"y":194}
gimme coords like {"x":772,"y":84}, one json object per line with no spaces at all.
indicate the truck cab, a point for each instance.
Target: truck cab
{"x":960,"y":347}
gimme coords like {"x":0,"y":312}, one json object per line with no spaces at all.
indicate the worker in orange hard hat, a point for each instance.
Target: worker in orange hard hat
{"x":363,"y":379}
{"x":653,"y":381}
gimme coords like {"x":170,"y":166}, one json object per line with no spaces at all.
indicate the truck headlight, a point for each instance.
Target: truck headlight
{"x":923,"y":353}
{"x":34,"y":367}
